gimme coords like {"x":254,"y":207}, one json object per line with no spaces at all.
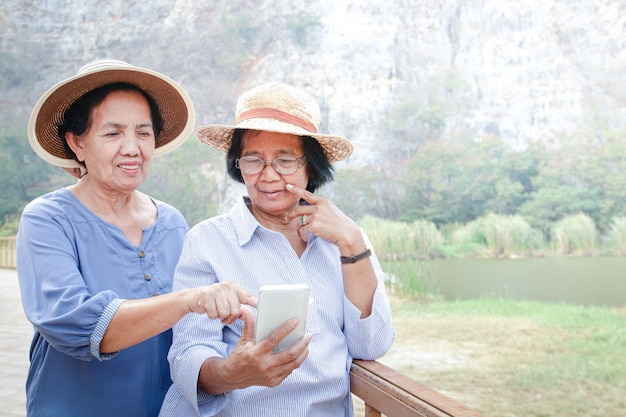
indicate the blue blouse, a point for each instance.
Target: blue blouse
{"x":74,"y":271}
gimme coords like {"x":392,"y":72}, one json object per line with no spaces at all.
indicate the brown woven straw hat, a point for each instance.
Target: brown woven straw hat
{"x":174,"y":104}
{"x":281,"y":108}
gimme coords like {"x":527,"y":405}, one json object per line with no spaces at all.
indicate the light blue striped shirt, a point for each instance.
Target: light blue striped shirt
{"x":235,"y":247}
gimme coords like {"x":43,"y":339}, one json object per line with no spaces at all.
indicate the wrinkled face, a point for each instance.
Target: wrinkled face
{"x":266,"y":189}
{"x":119,"y":143}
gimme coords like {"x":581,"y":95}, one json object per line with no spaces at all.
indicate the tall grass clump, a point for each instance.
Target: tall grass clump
{"x":410,"y":278}
{"x":575,"y":235}
{"x":464,"y":239}
{"x":497,"y":236}
{"x":427,"y":240}
{"x":615,"y":240}
{"x":400,"y":240}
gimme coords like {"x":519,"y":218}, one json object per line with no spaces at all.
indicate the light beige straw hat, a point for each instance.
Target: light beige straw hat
{"x":281,"y":108}
{"x":174,"y":103}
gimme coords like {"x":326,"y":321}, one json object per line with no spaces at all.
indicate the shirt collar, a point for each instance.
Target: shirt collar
{"x":243,"y":221}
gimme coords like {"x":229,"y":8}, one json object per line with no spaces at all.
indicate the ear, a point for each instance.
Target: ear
{"x":75,"y":143}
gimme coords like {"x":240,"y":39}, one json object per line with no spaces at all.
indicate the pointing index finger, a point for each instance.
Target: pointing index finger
{"x":302,"y":193}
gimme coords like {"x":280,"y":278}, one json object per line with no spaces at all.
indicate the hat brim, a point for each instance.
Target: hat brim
{"x":336,"y":148}
{"x":175,"y":107}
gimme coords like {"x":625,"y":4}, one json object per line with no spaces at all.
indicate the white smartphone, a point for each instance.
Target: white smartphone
{"x":276,"y":305}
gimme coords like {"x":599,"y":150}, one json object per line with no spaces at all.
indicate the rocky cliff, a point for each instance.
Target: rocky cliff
{"x":524,"y":70}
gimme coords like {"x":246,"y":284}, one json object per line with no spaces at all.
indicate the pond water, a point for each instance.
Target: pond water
{"x":583,"y":281}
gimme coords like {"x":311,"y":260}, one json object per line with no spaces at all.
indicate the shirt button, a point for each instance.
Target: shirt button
{"x":142,"y":254}
{"x":148,"y":277}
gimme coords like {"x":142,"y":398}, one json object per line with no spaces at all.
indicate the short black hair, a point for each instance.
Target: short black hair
{"x":318,"y":167}
{"x":77,"y":117}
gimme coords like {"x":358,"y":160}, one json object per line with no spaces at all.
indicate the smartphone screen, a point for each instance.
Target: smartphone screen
{"x":276,"y":305}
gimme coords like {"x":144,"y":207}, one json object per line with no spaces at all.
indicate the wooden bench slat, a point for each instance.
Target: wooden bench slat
{"x":394,"y":394}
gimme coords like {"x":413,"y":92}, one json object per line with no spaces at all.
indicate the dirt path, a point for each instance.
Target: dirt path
{"x":16,"y":333}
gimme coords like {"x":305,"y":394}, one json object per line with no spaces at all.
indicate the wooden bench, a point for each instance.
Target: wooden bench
{"x":388,"y":392}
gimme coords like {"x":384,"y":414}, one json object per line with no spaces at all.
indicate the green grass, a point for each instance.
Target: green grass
{"x":616,"y":237}
{"x":517,"y":358}
{"x":497,"y":236}
{"x":400,"y":240}
{"x":575,"y":234}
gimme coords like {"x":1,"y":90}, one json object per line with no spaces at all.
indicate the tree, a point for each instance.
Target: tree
{"x":551,"y":204}
{"x":517,"y":171}
{"x":300,"y":23}
{"x":360,"y":192}
{"x":424,"y":116}
{"x":23,"y":176}
{"x":188,"y":178}
{"x":457,"y":181}
{"x":452,"y":181}
{"x":603,"y":169}
{"x":563,"y":186}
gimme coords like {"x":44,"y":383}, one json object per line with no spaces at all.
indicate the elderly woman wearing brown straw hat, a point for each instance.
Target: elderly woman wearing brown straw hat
{"x":95,"y":260}
{"x":279,"y":233}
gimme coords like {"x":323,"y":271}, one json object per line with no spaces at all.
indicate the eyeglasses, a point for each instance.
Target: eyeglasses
{"x":284,"y":165}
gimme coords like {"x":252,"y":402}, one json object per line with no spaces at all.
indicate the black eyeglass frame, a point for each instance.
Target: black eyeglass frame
{"x":273,"y":163}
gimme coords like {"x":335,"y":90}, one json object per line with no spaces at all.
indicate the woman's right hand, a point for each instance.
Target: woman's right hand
{"x":220,"y":301}
{"x":253,"y":363}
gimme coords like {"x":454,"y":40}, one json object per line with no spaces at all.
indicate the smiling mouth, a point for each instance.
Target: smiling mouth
{"x":272,"y":193}
{"x":129,"y":167}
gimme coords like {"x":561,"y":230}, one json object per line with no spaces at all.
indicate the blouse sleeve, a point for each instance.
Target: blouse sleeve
{"x":54,"y":294}
{"x":371,"y":337}
{"x":196,"y":337}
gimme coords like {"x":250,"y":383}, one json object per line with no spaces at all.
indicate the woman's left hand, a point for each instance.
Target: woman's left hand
{"x":322,"y":218}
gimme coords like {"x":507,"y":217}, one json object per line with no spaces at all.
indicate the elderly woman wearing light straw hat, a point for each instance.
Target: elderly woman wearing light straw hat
{"x":95,"y":260}
{"x":280,"y":233}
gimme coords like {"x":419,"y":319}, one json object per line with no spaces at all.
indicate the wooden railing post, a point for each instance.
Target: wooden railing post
{"x":7,"y":252}
{"x":371,"y":411}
